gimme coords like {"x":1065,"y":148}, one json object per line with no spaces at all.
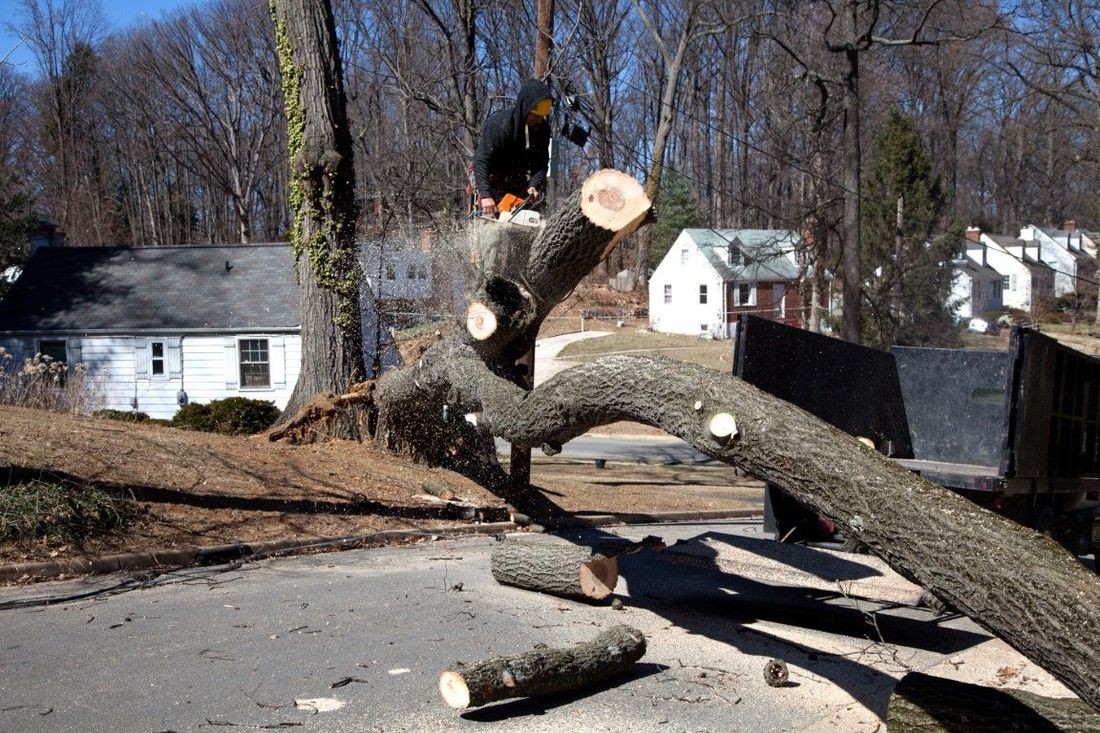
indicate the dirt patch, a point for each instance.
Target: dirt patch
{"x":198,"y":489}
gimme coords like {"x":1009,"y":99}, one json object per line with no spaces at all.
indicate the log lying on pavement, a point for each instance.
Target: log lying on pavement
{"x":925,"y":704}
{"x":543,"y":671}
{"x":567,"y":570}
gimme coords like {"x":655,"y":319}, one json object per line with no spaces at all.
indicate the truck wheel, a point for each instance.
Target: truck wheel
{"x":1044,"y":521}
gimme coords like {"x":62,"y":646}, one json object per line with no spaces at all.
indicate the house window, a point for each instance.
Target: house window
{"x":156,"y":358}
{"x":422,"y":273}
{"x":702,"y":295}
{"x":683,"y":257}
{"x":736,"y":256}
{"x":55,"y":349}
{"x":412,"y":271}
{"x":1006,"y":282}
{"x":744,"y":294}
{"x":668,"y":294}
{"x":255,"y":363}
{"x":391,"y":271}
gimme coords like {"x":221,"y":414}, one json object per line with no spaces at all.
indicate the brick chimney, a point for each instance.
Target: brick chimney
{"x":426,"y":240}
{"x":973,"y":234}
{"x":1069,"y":226}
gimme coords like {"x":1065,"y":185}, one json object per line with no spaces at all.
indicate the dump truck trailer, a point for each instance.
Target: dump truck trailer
{"x":1017,"y":432}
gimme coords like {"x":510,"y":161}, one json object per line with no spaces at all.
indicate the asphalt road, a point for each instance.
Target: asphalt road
{"x":365,"y":635}
{"x":650,"y":450}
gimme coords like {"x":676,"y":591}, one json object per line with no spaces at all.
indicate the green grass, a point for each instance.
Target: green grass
{"x":715,"y":354}
{"x":64,"y":513}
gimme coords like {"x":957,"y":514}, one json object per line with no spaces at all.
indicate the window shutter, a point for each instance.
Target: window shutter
{"x":175,"y":357}
{"x":277,"y":357}
{"x":73,"y":352}
{"x":231,"y":366}
{"x":141,"y":358}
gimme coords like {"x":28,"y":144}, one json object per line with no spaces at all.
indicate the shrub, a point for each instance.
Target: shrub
{"x":44,"y":510}
{"x":231,"y":416}
{"x":122,"y":415}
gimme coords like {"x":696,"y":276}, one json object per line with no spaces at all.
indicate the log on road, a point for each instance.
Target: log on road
{"x":543,"y":671}
{"x":922,"y":703}
{"x":571,"y":571}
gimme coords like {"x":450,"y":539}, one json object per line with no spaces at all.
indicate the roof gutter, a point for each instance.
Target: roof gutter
{"x":148,"y":331}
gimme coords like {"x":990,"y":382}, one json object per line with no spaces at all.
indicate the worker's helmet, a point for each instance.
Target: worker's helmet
{"x":542,"y":107}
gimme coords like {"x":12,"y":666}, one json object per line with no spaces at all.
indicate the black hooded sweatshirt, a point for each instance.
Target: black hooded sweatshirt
{"x":507,"y":160}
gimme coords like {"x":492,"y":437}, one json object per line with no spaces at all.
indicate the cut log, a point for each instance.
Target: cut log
{"x":567,"y":570}
{"x":723,"y":428}
{"x":543,"y":671}
{"x":438,"y":489}
{"x":925,"y":704}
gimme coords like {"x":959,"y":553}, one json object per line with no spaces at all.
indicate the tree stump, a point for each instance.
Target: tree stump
{"x":925,"y":704}
{"x":567,"y":570}
{"x":543,"y":671}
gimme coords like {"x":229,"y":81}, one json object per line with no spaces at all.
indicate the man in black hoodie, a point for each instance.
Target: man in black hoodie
{"x":514,"y":150}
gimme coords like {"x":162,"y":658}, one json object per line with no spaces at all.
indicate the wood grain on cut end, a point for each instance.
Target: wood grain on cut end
{"x":480,"y":321}
{"x":614,"y":200}
{"x":722,"y":427}
{"x":454,"y":690}
{"x":599,"y":576}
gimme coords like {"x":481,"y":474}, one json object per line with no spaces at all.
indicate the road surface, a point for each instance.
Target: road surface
{"x":355,"y":641}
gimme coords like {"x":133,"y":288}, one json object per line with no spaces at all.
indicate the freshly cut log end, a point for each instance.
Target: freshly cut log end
{"x":867,"y":442}
{"x":454,"y":690}
{"x":566,"y":570}
{"x":723,"y":428}
{"x":480,"y":321}
{"x":614,"y":200}
{"x":543,"y":671}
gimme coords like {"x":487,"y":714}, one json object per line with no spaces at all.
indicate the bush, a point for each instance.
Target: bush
{"x":231,"y":416}
{"x":42,"y":383}
{"x":122,"y":415}
{"x":43,"y":510}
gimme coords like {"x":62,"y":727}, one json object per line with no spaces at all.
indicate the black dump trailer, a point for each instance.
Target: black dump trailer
{"x":1017,"y":432}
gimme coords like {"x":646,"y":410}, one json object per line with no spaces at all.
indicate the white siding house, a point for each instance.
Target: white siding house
{"x":710,"y":276}
{"x":1064,"y":251}
{"x":1025,"y":279}
{"x":160,"y":327}
{"x":975,"y":286}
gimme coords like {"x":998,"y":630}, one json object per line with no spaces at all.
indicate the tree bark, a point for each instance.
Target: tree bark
{"x":543,"y":671}
{"x":926,"y":704}
{"x":1028,"y":590}
{"x":322,"y":193}
{"x":567,"y":570}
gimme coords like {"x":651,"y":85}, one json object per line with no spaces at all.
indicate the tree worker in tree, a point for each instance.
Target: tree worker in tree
{"x":514,"y":151}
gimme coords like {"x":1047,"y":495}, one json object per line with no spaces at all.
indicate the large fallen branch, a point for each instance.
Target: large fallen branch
{"x":543,"y":671}
{"x":925,"y":704}
{"x":1011,"y":580}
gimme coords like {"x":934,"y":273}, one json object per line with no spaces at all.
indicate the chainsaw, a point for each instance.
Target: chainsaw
{"x":514,"y":210}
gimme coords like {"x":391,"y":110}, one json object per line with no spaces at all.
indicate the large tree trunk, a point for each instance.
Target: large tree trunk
{"x":925,"y":704}
{"x":1011,"y":580}
{"x":322,"y":195}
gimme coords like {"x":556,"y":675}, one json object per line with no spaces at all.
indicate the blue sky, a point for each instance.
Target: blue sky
{"x":120,"y":14}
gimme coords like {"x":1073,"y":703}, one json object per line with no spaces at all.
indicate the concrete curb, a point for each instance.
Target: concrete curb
{"x":218,"y":554}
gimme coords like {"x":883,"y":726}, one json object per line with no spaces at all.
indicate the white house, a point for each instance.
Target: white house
{"x":975,"y":286}
{"x":397,"y":269}
{"x":710,"y":276}
{"x":1063,"y":250}
{"x":1025,"y":279}
{"x":165,"y":326}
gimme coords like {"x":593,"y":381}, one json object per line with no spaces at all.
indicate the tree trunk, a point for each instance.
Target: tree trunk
{"x":322,"y":195}
{"x":567,"y":570}
{"x":851,"y":326}
{"x":926,"y":704}
{"x":1027,"y":590}
{"x":543,"y":671}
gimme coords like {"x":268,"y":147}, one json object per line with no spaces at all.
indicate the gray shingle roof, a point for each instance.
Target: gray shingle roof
{"x":121,"y":290}
{"x":767,"y":253}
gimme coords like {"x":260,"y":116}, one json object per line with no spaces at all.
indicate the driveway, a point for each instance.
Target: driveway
{"x":547,"y":363}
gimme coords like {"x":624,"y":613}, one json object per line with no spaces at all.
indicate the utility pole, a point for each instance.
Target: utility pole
{"x":520,"y":457}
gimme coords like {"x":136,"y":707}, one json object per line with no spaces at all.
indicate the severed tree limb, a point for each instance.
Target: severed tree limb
{"x":561,"y":569}
{"x":1026,"y":589}
{"x":925,"y":704}
{"x":543,"y":671}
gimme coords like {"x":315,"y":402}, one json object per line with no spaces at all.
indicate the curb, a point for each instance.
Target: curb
{"x":218,"y":554}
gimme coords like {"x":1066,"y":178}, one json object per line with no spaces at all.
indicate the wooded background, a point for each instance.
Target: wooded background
{"x":173,"y":131}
